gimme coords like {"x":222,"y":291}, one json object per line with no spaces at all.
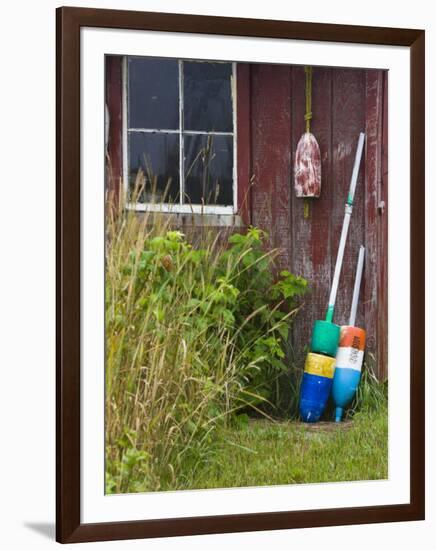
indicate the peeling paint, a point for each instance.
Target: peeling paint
{"x":343,"y":150}
{"x":307,"y":167}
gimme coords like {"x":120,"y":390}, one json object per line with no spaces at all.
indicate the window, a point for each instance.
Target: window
{"x":179,"y":131}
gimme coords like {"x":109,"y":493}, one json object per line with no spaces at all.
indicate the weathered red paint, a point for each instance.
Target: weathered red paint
{"x":243,"y":132}
{"x":271,"y":155}
{"x":348,"y":120}
{"x":344,"y":103}
{"x":382,"y":286}
{"x":311,"y":247}
{"x":270,"y":121}
{"x":307,"y":167}
{"x":114,"y":104}
{"x":374,"y":89}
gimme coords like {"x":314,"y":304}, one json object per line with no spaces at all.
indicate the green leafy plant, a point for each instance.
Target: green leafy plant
{"x":195,"y":336}
{"x":262,"y":310}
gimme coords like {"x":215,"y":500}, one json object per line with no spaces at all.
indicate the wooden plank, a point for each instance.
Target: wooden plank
{"x":382,"y":299}
{"x":348,"y":120}
{"x":345,"y":102}
{"x":114,"y":152}
{"x":374,"y":106}
{"x":243,"y":124}
{"x":271,"y":156}
{"x":311,"y":249}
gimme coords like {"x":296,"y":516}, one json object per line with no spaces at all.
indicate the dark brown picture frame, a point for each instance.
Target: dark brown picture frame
{"x":68,"y":525}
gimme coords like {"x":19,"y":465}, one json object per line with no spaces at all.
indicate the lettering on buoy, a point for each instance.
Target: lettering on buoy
{"x":349,"y":360}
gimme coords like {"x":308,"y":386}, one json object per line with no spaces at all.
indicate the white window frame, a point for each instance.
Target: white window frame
{"x":180,"y":208}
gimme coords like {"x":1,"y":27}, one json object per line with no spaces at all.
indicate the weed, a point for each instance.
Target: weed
{"x":194,"y":334}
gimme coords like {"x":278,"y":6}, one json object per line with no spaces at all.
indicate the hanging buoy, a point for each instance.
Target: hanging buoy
{"x":349,"y":357}
{"x":307,"y":165}
{"x":325,"y":338}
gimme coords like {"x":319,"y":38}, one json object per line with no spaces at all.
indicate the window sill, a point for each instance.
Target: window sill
{"x":181,"y":208}
{"x":197,"y":220}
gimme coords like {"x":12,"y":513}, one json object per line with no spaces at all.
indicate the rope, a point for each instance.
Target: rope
{"x":308,"y":115}
{"x":308,"y":118}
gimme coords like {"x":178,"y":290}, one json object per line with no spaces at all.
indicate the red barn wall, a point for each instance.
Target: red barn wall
{"x":344,"y":103}
{"x":270,"y":121}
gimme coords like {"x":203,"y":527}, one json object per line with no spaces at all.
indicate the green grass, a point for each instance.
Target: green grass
{"x":195,"y":332}
{"x":198,"y":333}
{"x":266,"y":453}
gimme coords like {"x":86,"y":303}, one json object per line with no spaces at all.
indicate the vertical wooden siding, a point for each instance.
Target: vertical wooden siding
{"x":345,"y":102}
{"x":271,"y":155}
{"x":113,"y":99}
{"x":270,"y":121}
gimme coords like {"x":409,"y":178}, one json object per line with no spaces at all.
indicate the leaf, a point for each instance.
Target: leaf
{"x":175,"y":236}
{"x":237,"y":238}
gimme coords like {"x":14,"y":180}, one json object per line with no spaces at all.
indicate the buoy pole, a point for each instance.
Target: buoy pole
{"x":356,"y":290}
{"x":319,"y":370}
{"x":344,"y":232}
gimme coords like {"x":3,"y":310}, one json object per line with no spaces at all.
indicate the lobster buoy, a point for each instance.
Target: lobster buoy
{"x":320,"y":362}
{"x":307,"y":167}
{"x":316,"y":386}
{"x":349,"y":357}
{"x":307,"y":164}
{"x":349,"y":361}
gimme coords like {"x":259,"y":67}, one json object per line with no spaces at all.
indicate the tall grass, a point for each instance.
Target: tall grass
{"x":187,"y":338}
{"x":372,"y":393}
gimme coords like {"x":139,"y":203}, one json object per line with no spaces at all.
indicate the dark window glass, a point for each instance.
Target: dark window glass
{"x":208,"y":169}
{"x":207,"y":96}
{"x":157,"y":155}
{"x":153,"y":93}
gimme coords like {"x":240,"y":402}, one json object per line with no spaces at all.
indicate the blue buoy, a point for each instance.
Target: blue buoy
{"x":344,"y":387}
{"x":316,"y":386}
{"x":349,"y":358}
{"x":315,"y":391}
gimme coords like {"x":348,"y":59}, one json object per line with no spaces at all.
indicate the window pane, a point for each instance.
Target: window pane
{"x":153,"y":93}
{"x":207,"y":96}
{"x":157,"y":155}
{"x":208,"y":169}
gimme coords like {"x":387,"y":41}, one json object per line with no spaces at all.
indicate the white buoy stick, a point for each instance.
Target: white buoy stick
{"x":356,"y":167}
{"x":356,"y":290}
{"x":344,"y":233}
